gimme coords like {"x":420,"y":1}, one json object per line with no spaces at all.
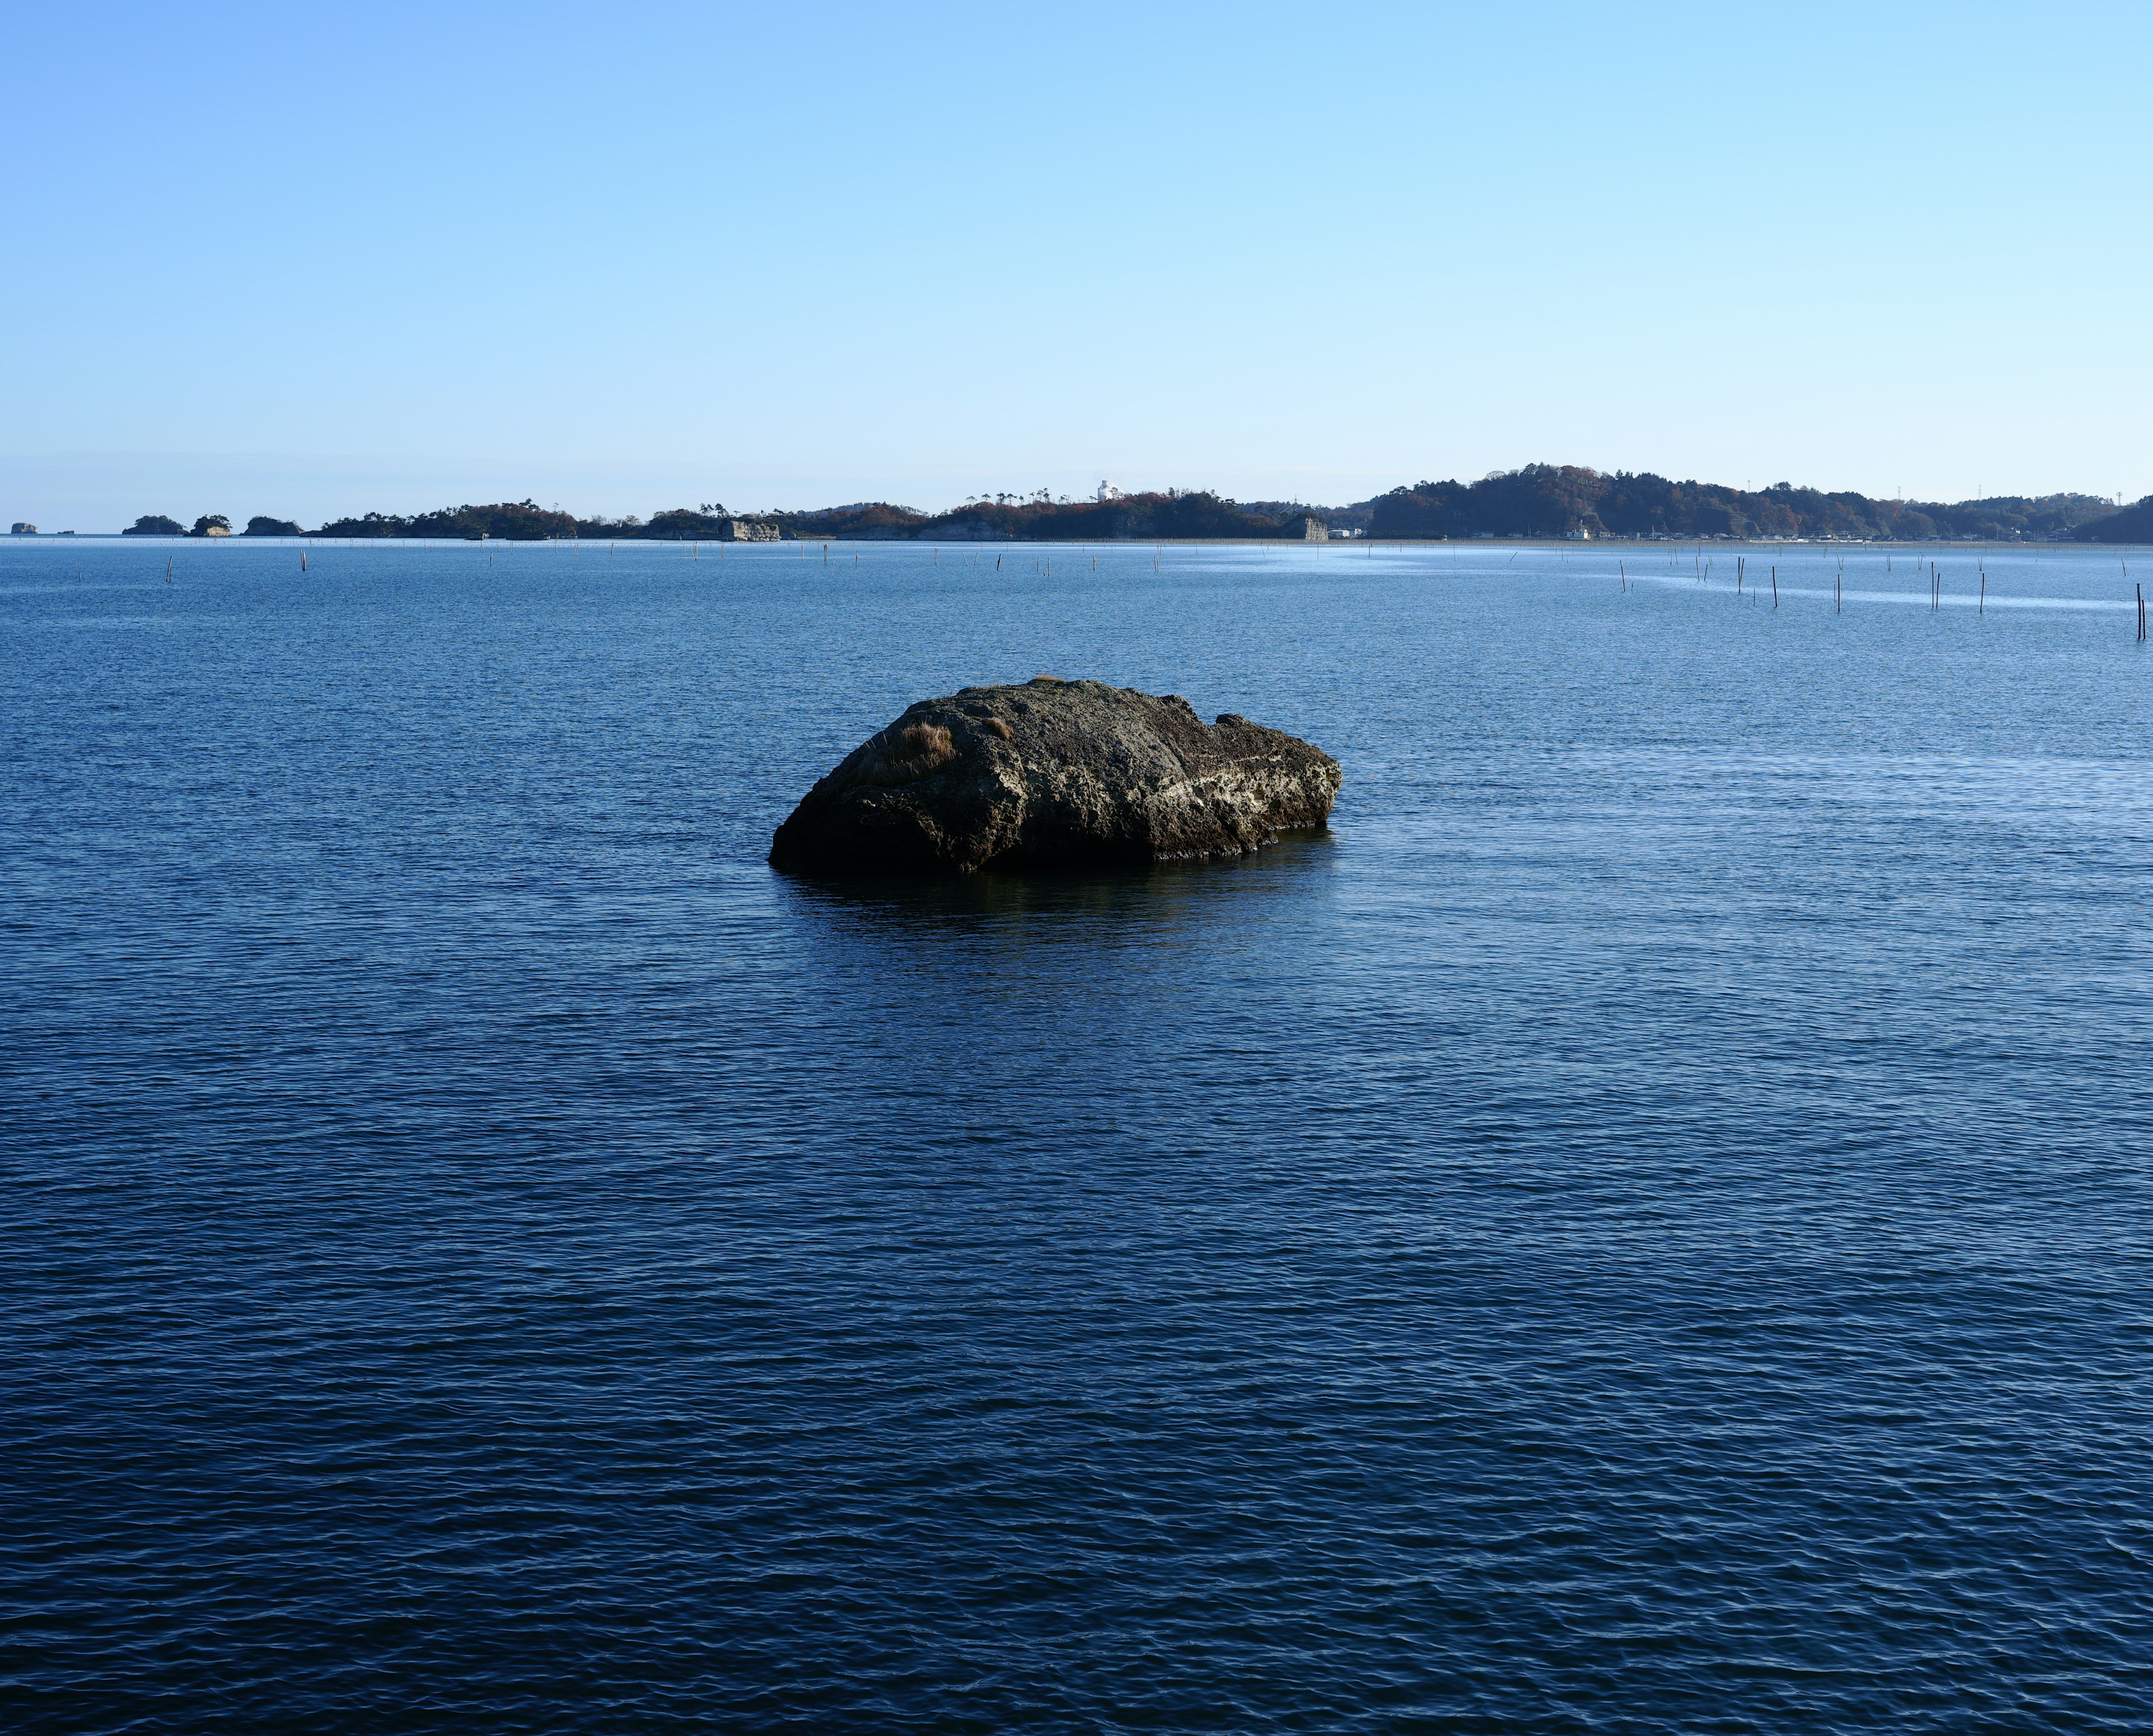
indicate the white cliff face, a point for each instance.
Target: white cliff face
{"x":1055,"y":772}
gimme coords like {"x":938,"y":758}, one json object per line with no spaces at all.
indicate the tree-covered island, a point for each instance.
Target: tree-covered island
{"x":1537,"y":501}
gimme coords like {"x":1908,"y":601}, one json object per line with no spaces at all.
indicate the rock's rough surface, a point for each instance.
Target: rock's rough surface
{"x":1054,"y":772}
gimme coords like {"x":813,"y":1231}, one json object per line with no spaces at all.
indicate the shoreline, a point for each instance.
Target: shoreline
{"x":1563,"y":544}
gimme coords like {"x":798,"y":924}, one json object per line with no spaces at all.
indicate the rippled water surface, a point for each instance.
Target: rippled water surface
{"x":1643,"y":1227}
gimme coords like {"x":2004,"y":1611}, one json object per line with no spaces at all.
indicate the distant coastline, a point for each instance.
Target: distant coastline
{"x":1539,"y":502}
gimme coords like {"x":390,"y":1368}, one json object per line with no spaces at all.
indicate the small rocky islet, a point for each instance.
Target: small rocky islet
{"x":1053,"y":773}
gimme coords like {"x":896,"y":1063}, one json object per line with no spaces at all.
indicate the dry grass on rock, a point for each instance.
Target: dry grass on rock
{"x":898,"y":756}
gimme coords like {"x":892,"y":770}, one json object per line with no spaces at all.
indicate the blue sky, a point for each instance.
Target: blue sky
{"x":310,"y":260}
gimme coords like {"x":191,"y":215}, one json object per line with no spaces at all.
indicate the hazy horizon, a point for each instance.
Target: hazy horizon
{"x":194,"y":488}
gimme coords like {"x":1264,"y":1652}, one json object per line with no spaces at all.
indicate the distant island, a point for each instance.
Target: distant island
{"x":1539,"y":501}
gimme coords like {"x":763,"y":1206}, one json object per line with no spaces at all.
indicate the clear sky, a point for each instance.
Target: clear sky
{"x":311,"y":260}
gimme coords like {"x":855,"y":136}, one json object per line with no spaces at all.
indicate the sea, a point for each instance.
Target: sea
{"x":1643,"y":1226}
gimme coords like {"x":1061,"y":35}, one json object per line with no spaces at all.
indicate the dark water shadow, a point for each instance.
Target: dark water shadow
{"x":1147,"y":893}
{"x":1083,"y":929}
{"x":1026,"y":966}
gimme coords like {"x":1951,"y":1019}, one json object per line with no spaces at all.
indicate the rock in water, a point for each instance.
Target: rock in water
{"x":1054,"y":772}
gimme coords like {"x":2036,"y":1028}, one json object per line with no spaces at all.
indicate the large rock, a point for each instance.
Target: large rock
{"x":1054,"y":772}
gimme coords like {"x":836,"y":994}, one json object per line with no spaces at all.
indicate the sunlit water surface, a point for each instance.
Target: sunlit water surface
{"x":1642,"y":1228}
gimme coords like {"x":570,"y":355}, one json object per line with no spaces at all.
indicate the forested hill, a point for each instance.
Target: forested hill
{"x":1540,"y":500}
{"x":2134,"y":524}
{"x":1562,"y":500}
{"x":1174,"y":514}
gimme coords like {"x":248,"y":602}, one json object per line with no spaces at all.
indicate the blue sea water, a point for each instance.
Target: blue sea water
{"x":1643,"y":1227}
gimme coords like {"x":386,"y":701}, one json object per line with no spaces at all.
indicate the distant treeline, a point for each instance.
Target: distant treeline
{"x":1173,"y":514}
{"x":1540,"y":500}
{"x":1562,"y":500}
{"x":2134,"y":524}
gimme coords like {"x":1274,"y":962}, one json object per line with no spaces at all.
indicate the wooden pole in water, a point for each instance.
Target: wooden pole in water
{"x":1775,"y":588}
{"x":2141,"y":613}
{"x":1625,"y":571}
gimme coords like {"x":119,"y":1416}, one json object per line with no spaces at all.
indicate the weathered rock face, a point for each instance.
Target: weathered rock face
{"x":1054,"y":772}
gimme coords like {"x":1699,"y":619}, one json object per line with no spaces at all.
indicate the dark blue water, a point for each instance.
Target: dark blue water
{"x":1642,"y":1228}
